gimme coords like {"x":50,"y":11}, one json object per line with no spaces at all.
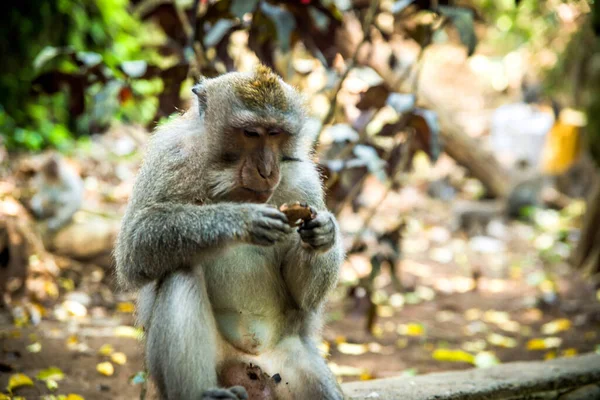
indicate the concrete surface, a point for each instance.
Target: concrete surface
{"x":564,"y":378}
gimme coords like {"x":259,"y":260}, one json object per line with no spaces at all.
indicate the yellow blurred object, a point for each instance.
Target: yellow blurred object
{"x":562,"y":143}
{"x":453,"y":355}
{"x":18,"y":380}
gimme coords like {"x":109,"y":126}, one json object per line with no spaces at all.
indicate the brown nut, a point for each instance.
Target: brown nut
{"x":297,"y":213}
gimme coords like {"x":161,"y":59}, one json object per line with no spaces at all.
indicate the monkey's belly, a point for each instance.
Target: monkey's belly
{"x":250,"y":333}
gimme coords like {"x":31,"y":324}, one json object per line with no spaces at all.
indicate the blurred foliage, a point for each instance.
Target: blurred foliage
{"x":53,"y":67}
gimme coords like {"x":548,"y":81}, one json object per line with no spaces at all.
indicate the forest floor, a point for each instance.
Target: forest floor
{"x":441,"y":321}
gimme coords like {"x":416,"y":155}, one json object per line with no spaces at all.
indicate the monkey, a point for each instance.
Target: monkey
{"x":58,"y":193}
{"x":230,"y":295}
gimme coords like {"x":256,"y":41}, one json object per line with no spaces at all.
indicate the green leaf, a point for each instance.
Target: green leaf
{"x":240,"y":7}
{"x":400,"y":5}
{"x":52,"y":373}
{"x":138,"y":378}
{"x":47,"y":54}
{"x":135,"y":69}
{"x":284,"y":21}
{"x":217,"y":32}
{"x":462,"y":19}
{"x":89,"y":58}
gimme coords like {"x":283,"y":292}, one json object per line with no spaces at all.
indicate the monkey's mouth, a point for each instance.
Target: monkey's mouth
{"x":259,"y":195}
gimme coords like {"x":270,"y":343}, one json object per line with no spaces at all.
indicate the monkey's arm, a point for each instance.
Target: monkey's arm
{"x":312,"y":262}
{"x":160,"y":238}
{"x":311,"y":273}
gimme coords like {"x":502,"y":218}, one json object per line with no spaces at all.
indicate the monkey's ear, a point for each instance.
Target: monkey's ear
{"x":200,"y":91}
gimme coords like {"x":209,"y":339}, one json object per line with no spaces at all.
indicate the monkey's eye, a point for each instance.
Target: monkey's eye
{"x":274,"y":133}
{"x":250,"y":133}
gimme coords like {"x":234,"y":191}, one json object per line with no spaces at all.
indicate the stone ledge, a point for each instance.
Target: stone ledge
{"x":556,"y":379}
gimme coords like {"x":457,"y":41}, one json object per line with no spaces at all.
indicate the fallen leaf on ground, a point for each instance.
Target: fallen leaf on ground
{"x":18,"y":380}
{"x":105,"y":368}
{"x":106,"y":350}
{"x":34,"y":347}
{"x":453,"y":355}
{"x":353,"y":349}
{"x":126,"y":307}
{"x":53,"y":373}
{"x":118,"y":358}
{"x":544,"y":343}
{"x":559,"y":325}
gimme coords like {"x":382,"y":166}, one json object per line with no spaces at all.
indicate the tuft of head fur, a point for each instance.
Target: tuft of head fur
{"x":262,"y":89}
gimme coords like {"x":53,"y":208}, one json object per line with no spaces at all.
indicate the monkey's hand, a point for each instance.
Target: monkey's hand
{"x":266,"y":225}
{"x":319,"y":232}
{"x":233,"y":393}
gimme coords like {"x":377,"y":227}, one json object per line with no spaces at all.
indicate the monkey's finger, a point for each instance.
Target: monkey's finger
{"x":240,"y":391}
{"x":276,"y":225}
{"x":319,"y":230}
{"x":321,"y":220}
{"x":275,"y":214}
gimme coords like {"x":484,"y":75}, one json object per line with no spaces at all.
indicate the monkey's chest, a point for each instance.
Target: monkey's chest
{"x":246,"y":291}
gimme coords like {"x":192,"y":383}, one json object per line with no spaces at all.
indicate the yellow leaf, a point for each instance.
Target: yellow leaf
{"x":352,"y":348}
{"x":453,"y":355}
{"x":106,"y":350}
{"x":129,"y":332}
{"x":559,"y":325}
{"x":543,"y":344}
{"x":4,"y":396}
{"x":105,"y":368}
{"x":53,"y":373}
{"x":365,"y":376}
{"x":125,"y":307}
{"x":67,"y":284}
{"x":323,"y":348}
{"x":119,"y":358}
{"x":551,"y":355}
{"x":340,"y":339}
{"x":18,"y":380}
{"x":570,"y":352}
{"x":411,"y":330}
{"x":377,"y":331}
{"x":72,"y":396}
{"x":561,"y":148}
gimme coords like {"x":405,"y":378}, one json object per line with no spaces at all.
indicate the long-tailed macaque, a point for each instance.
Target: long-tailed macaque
{"x":232,"y":295}
{"x":59,"y":193}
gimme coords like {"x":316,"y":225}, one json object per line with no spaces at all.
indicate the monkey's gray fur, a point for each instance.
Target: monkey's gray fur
{"x":228,"y":280}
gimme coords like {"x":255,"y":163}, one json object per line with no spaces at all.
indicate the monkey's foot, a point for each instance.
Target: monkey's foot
{"x":232,"y":393}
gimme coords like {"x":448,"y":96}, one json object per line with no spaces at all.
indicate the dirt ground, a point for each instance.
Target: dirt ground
{"x":440,"y":309}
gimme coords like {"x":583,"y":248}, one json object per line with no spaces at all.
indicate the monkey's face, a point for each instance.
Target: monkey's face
{"x":252,"y":154}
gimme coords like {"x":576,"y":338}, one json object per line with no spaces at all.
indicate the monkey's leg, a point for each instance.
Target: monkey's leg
{"x":181,"y":347}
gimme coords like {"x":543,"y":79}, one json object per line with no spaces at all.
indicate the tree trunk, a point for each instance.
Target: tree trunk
{"x":587,"y":253}
{"x":385,"y":58}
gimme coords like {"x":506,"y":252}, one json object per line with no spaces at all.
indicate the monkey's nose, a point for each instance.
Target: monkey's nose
{"x":265,"y":171}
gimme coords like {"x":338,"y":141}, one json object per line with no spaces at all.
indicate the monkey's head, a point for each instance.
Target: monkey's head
{"x":252,"y":124}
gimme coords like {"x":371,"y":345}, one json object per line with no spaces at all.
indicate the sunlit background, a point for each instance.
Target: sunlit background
{"x":458,"y":143}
